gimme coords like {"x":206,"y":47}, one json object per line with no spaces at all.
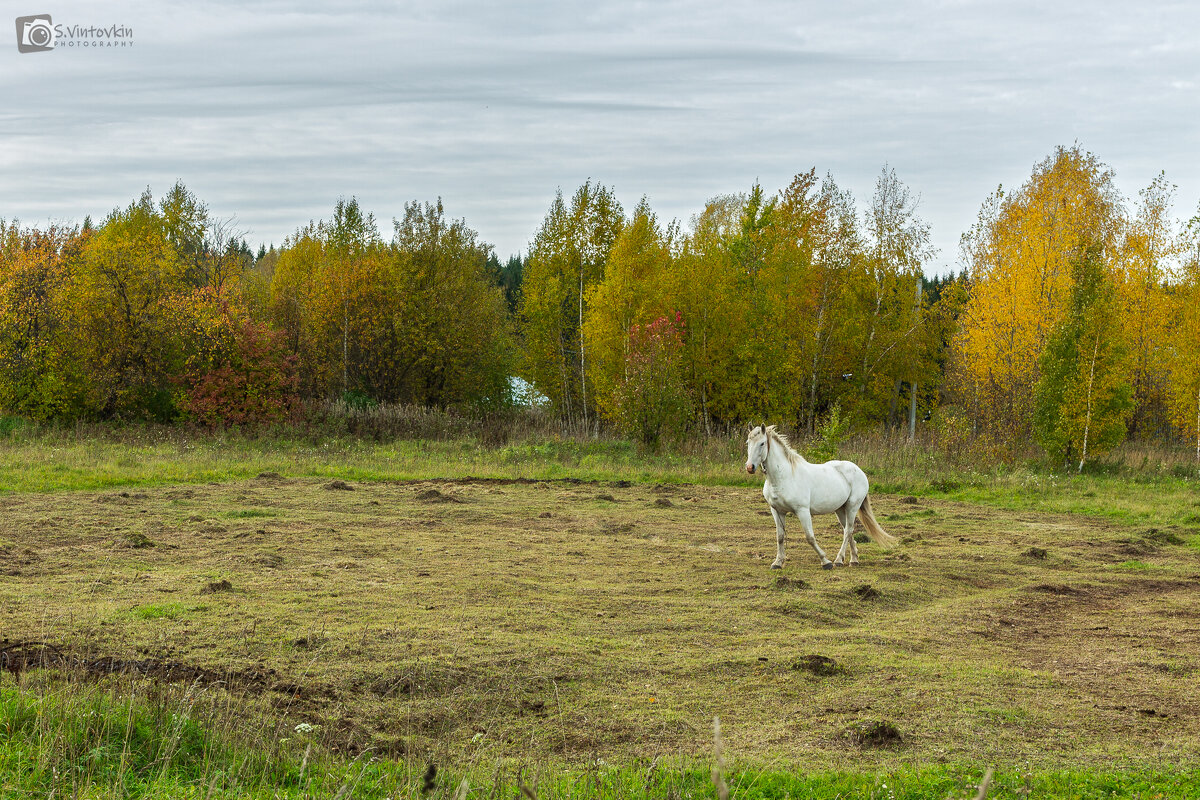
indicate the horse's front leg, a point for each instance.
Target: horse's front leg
{"x":806,"y":520}
{"x":779,"y":535}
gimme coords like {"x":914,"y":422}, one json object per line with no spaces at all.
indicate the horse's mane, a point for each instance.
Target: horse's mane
{"x":793,"y":457}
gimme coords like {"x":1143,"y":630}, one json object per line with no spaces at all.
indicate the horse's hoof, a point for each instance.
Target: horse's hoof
{"x":777,"y":566}
{"x":854,"y":563}
{"x":838,"y":564}
{"x":827,"y":565}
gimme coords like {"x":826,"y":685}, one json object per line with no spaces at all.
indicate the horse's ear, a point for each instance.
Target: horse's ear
{"x":764,"y":427}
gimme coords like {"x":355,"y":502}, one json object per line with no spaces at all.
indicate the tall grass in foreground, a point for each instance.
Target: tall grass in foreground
{"x":129,"y":738}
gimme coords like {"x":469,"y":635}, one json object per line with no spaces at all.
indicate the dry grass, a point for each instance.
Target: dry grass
{"x":467,"y":622}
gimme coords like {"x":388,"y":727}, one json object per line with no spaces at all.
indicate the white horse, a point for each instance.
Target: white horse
{"x":805,"y":489}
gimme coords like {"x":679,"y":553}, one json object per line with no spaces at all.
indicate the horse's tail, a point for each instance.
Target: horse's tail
{"x":874,"y":529}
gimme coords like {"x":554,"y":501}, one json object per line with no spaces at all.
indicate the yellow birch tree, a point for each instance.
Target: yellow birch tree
{"x":1017,"y":257}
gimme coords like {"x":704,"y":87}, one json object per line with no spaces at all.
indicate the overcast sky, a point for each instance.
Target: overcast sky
{"x":271,"y":111}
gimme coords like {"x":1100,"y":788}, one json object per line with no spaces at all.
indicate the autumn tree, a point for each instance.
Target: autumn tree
{"x":1144,"y":271}
{"x":1083,"y":396}
{"x":352,"y":252}
{"x":888,"y":339}
{"x":634,"y":291}
{"x":1018,"y":256}
{"x":41,"y":374}
{"x":127,"y":329}
{"x":836,"y":246}
{"x":294,"y":305}
{"x":415,"y":320}
{"x":450,"y":338}
{"x":801,"y":292}
{"x":238,"y":371}
{"x":650,"y":397}
{"x":1183,"y":388}
{"x":565,"y":259}
{"x":706,"y":285}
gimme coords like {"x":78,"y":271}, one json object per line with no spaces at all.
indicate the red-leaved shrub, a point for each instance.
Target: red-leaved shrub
{"x":252,"y":381}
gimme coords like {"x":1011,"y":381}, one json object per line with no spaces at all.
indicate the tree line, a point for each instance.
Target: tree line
{"x":1075,"y":318}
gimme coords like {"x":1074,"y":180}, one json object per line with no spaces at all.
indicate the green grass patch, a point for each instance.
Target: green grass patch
{"x":47,"y":460}
{"x":137,"y":740}
{"x":1133,"y":565}
{"x":164,"y":610}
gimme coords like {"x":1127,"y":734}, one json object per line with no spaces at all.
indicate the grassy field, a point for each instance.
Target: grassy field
{"x":572,"y":617}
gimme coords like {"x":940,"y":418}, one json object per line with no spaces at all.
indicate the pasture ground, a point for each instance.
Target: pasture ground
{"x":470,"y":623}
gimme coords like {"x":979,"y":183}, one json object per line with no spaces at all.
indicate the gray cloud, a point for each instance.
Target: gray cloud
{"x":272,"y":111}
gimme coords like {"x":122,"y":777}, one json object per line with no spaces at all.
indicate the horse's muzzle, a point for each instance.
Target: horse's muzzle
{"x":750,"y":468}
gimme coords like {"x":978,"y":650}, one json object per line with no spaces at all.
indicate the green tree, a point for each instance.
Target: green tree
{"x":1083,"y":398}
{"x":1144,"y":273}
{"x":124,"y":301}
{"x":1017,"y":258}
{"x":448,"y":325}
{"x":888,"y":339}
{"x":706,"y":287}
{"x":565,"y":259}
{"x":634,"y":291}
{"x":650,"y":399}
{"x":1183,"y":396}
{"x":416,"y":320}
{"x":41,"y":372}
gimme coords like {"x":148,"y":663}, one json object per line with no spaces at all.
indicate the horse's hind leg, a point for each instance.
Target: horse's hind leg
{"x":853,"y":504}
{"x":849,"y":525}
{"x":806,"y":520}
{"x":846,"y":540}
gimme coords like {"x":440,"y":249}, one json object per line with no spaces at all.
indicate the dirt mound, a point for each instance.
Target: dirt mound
{"x":663,"y":502}
{"x":136,"y":541}
{"x":867,"y":592}
{"x":217,"y":586}
{"x":873,"y":733}
{"x":309,"y":642}
{"x":434,"y":496}
{"x":823,"y":666}
{"x":1060,"y":589}
{"x":13,"y":558}
{"x":121,"y":497}
{"x":268,"y":560}
{"x":783,"y":582}
{"x":22,"y":656}
{"x":338,"y":486}
{"x":1163,"y":537}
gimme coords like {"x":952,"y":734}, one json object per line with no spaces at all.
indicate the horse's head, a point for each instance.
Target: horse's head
{"x":757,"y":444}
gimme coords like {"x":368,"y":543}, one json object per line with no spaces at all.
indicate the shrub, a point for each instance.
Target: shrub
{"x":252,"y":382}
{"x":651,"y":398}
